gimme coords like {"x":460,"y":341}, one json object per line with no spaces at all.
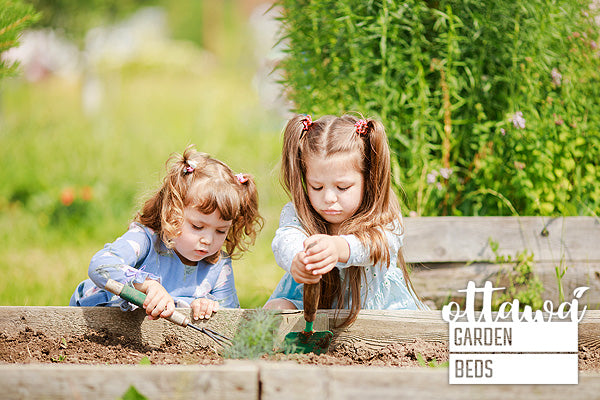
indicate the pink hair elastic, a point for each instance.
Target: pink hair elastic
{"x":241,"y":178}
{"x":190,"y":166}
{"x":361,"y":127}
{"x":307,"y":122}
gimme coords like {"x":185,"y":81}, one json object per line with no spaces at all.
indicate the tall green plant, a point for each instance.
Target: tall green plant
{"x":490,"y":110}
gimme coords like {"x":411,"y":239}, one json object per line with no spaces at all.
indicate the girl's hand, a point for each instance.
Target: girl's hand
{"x":203,"y":308}
{"x":299,"y":271}
{"x":323,"y":252}
{"x":159,"y":302}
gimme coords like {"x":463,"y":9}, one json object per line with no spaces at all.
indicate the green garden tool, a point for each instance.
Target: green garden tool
{"x":136,"y":297}
{"x":309,"y":341}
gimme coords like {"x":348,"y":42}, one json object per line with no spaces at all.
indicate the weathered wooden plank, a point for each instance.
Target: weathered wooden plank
{"x":234,"y":380}
{"x":266,"y":381}
{"x":464,"y":239}
{"x":289,"y":381}
{"x":441,"y":282}
{"x":373,"y":329}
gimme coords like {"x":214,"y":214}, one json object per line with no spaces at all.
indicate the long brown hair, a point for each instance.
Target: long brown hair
{"x":207,"y":184}
{"x":379,"y":208}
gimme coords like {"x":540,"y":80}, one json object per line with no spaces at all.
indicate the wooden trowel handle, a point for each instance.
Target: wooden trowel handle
{"x":311,"y":300}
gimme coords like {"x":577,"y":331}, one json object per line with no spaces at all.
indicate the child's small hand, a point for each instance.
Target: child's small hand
{"x":159,"y":302}
{"x":203,"y":308}
{"x":323,"y":252}
{"x":299,"y":271}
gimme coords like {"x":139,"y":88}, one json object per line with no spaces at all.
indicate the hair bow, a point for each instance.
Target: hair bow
{"x":361,"y":127}
{"x":241,"y":178}
{"x":307,"y":122}
{"x":190,"y":166}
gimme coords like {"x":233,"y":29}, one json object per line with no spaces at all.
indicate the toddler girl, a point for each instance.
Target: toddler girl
{"x":173,"y":249}
{"x":343,"y":229}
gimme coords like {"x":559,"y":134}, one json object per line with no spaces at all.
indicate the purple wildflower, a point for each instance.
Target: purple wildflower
{"x":502,"y":131}
{"x":518,"y":120}
{"x":445,"y":173}
{"x":556,"y":77}
{"x":558,"y":121}
{"x":432,"y":177}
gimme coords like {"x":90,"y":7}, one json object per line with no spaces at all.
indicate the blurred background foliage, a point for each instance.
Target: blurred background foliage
{"x":490,"y":109}
{"x":106,"y":92}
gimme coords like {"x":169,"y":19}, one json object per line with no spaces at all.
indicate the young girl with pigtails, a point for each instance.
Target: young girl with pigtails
{"x":173,"y":250}
{"x":343,"y":229}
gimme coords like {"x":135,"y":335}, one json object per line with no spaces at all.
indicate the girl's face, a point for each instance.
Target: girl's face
{"x":202,"y":235}
{"x":335,"y":187}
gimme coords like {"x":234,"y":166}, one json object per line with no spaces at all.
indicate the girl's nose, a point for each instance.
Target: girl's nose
{"x":206,"y":239}
{"x":330,"y":196}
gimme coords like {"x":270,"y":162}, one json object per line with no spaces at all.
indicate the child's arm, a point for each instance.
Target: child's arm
{"x":223,"y":293}
{"x":121,"y":261}
{"x":360,"y":254}
{"x":324,"y":252}
{"x":289,"y":238}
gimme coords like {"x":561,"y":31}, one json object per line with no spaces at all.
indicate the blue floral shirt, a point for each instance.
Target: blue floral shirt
{"x":140,"y":254}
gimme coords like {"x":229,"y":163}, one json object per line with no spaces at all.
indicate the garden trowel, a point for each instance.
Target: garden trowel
{"x":309,"y":340}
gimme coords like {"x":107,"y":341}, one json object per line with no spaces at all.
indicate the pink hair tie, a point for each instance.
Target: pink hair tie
{"x":307,"y":122}
{"x":190,"y":166}
{"x":361,"y":127}
{"x":241,"y":178}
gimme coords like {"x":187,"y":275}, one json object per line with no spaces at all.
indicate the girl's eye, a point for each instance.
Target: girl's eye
{"x":343,"y":188}
{"x":221,"y":232}
{"x":316,"y":189}
{"x":198,"y":228}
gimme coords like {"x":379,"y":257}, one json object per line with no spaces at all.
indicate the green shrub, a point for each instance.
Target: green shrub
{"x":489,"y":109}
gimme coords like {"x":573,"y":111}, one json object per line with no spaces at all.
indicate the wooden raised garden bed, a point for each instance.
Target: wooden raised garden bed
{"x":446,"y":252}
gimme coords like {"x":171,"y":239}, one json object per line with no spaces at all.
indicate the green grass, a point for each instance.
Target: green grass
{"x":50,"y":145}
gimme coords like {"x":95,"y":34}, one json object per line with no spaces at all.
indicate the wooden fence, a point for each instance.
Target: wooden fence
{"x":447,"y":252}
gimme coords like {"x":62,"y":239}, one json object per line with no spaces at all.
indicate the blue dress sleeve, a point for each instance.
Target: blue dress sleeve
{"x":289,"y":238}
{"x":224,"y":289}
{"x":360,"y":255}
{"x":121,"y":259}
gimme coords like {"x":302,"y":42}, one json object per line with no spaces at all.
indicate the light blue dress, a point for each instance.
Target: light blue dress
{"x":384,"y":289}
{"x":140,"y":254}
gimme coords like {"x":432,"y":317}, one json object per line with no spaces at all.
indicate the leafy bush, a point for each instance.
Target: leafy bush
{"x":489,"y":110}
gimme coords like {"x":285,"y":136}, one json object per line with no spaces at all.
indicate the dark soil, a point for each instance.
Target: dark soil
{"x":106,"y":348}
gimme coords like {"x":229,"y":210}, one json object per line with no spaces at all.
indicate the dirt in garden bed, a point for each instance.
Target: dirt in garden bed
{"x":105,"y":348}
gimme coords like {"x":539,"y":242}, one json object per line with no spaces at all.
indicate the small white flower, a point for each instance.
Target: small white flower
{"x":518,"y":120}
{"x":445,"y":172}
{"x":556,"y":77}
{"x":432,"y":177}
